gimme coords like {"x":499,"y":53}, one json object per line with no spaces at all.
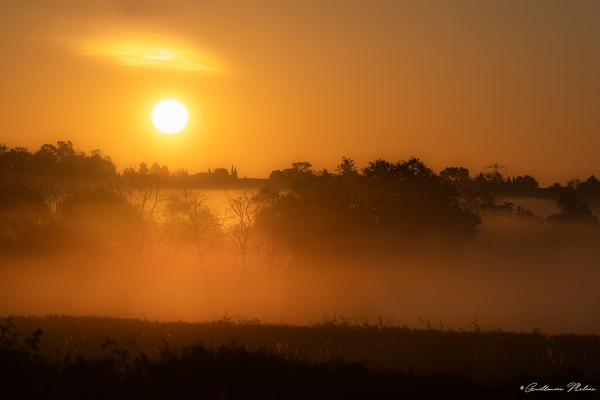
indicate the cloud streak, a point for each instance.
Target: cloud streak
{"x":150,"y":55}
{"x":140,"y":50}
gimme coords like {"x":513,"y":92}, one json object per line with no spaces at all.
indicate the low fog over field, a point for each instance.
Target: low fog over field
{"x":553,"y":289}
{"x":393,"y":239}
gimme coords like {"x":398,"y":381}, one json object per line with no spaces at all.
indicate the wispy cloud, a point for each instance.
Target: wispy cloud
{"x":134,"y":33}
{"x":141,"y":50}
{"x":150,"y":55}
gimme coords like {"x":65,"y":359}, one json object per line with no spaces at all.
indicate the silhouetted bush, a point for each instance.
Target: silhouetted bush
{"x":573,"y":212}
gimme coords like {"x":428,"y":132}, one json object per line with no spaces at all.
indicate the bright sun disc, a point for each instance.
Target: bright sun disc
{"x":169,"y":116}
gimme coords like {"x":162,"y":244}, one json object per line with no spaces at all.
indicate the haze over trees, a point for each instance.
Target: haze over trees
{"x":272,"y":240}
{"x":386,"y":205}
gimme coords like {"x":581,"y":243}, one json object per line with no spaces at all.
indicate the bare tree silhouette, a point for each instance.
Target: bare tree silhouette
{"x":242,"y":212}
{"x":142,"y":192}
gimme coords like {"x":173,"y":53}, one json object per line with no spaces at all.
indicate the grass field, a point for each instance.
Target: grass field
{"x":355,"y":356}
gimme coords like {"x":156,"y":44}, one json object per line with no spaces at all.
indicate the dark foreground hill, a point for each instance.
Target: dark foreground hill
{"x":100,"y":358}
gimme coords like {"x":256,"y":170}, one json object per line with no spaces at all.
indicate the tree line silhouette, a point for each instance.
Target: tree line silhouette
{"x":299,"y":216}
{"x":60,"y":161}
{"x":63,"y":162}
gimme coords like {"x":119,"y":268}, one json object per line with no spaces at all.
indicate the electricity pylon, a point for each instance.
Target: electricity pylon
{"x":495,"y":190}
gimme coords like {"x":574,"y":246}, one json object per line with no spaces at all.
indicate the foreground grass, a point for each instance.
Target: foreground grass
{"x":94,"y":357}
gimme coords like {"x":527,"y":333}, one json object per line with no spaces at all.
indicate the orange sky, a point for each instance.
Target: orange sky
{"x":271,"y":82}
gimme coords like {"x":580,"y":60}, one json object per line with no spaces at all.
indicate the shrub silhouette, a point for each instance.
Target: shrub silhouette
{"x":574,"y":211}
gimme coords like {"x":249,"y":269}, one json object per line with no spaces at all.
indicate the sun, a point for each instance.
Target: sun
{"x":169,"y":116}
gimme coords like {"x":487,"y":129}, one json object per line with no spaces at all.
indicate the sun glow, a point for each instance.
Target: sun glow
{"x":169,"y":116}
